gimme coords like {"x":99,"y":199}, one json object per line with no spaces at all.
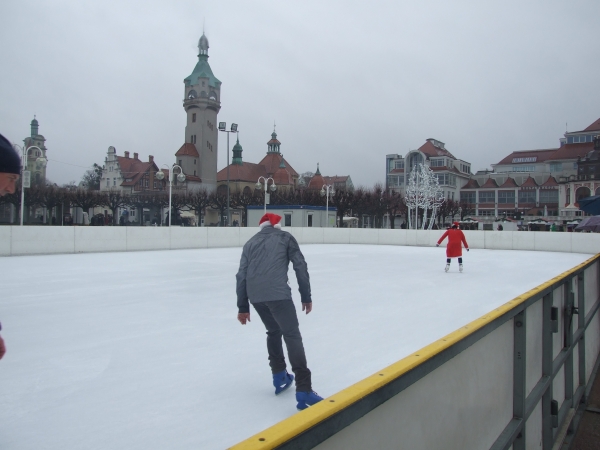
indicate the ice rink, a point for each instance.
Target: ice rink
{"x":142,"y":350}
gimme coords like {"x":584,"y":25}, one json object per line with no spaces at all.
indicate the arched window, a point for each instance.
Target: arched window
{"x":414,"y":159}
{"x":192,"y":94}
{"x":222,"y":190}
{"x":248,"y":191}
{"x":582,"y":192}
{"x":212,"y":95}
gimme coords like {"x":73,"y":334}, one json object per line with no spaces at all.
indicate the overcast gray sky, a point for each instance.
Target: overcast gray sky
{"x":346,"y":81}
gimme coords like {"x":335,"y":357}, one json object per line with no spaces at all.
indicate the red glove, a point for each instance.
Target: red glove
{"x":2,"y":348}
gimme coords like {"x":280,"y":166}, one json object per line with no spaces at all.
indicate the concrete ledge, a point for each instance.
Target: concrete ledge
{"x":42,"y":240}
{"x":15,"y":240}
{"x":148,"y":238}
{"x":5,"y":241}
{"x":100,"y":239}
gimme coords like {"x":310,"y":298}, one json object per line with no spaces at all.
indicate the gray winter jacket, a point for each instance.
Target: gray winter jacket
{"x":263,"y":273}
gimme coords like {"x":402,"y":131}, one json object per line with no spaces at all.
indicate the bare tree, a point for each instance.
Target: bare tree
{"x":91,"y":178}
{"x":84,"y":199}
{"x":199,"y":200}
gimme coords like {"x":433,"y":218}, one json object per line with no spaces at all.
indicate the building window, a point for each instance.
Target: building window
{"x":310,"y":223}
{"x":194,"y":162}
{"x":486,"y":212}
{"x":194,"y":173}
{"x":487,"y":197}
{"x":193,"y":117}
{"x":132,"y":213}
{"x":446,"y":179}
{"x":523,"y":169}
{"x":155,"y":185}
{"x":548,"y":196}
{"x":114,"y":181}
{"x":110,"y":168}
{"x":180,"y":163}
{"x":437,"y":162}
{"x":524,"y":160}
{"x":107,"y":182}
{"x":555,"y":167}
{"x":527,"y":196}
{"x":193,"y":138}
{"x":399,"y":164}
{"x":467,"y":197}
{"x":146,"y":183}
{"x":505,"y":197}
{"x":287,"y":220}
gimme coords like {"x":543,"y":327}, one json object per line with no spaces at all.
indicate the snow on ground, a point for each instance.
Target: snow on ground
{"x":143,"y":351}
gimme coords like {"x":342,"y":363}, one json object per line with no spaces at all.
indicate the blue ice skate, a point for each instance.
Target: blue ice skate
{"x":306,"y":399}
{"x":282,"y":381}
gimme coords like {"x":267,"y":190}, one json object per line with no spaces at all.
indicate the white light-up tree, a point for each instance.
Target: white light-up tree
{"x":423,"y":192}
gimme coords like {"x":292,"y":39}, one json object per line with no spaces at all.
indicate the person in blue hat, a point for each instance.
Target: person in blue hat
{"x":10,"y":169}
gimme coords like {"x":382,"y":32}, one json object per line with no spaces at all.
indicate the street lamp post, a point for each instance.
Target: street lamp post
{"x":266,"y":182}
{"x":26,"y":174}
{"x":180,"y":177}
{"x":222,"y":127}
{"x":323,"y":193}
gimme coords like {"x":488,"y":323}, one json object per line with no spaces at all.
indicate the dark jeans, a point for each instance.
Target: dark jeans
{"x":280,"y":319}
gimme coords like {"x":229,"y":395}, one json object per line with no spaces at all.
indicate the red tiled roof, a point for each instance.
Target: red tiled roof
{"x":594,"y":127}
{"x":472,"y":184}
{"x":540,"y":155}
{"x":316,"y":182}
{"x":338,"y":179}
{"x":271,"y":164}
{"x":397,"y":171}
{"x":248,"y":172}
{"x":551,"y":181}
{"x":273,"y":141}
{"x":282,"y":177}
{"x":132,"y":169}
{"x":490,"y":183}
{"x":574,"y":151}
{"x":193,"y":178}
{"x":431,"y":150}
{"x":509,"y":183}
{"x":187,"y":149}
{"x":529,"y":182}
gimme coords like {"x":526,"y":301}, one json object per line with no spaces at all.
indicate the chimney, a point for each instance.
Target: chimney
{"x":135,"y":156}
{"x":151,"y":158}
{"x":126,"y":154}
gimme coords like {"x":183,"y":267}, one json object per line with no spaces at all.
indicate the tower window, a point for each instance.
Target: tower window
{"x":193,"y":117}
{"x":180,"y":162}
{"x":194,"y":173}
{"x":194,"y":161}
{"x":193,"y":138}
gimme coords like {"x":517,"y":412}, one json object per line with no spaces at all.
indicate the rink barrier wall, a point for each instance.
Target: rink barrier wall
{"x":511,"y":379}
{"x":36,"y":240}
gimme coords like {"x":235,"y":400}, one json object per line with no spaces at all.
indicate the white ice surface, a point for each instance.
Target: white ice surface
{"x":143,"y":351}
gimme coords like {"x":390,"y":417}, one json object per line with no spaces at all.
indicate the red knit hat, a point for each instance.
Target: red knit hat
{"x":270,"y":220}
{"x":455,"y":223}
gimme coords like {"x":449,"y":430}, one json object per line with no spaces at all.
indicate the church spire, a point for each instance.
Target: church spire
{"x":237,"y":153}
{"x":273,"y":146}
{"x":203,"y":45}
{"x":34,"y":127}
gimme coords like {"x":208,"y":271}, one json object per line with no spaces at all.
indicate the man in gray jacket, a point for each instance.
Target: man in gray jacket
{"x":262,"y":279}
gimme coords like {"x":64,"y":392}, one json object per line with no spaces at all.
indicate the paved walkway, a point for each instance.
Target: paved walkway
{"x":587,"y":436}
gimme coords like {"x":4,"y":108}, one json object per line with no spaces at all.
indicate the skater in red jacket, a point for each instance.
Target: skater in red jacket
{"x":454,"y":249}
